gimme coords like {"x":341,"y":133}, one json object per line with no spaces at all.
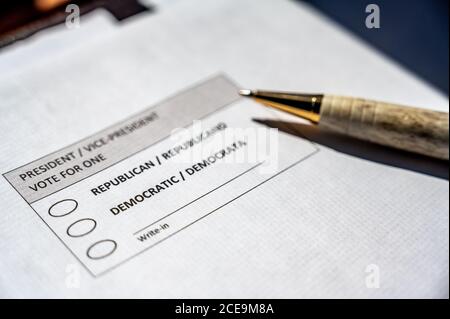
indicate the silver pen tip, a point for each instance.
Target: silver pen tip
{"x":245,"y":92}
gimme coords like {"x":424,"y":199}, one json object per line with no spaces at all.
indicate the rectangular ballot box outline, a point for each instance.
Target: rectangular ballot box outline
{"x":229,"y":101}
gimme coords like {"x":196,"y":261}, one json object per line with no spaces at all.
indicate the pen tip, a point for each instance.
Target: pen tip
{"x":245,"y":92}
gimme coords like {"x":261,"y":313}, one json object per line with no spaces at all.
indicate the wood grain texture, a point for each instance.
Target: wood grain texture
{"x":412,"y":129}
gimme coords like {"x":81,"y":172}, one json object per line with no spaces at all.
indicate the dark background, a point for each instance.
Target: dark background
{"x":412,"y":32}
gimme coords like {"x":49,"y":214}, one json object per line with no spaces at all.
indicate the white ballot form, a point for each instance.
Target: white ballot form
{"x":132,"y":168}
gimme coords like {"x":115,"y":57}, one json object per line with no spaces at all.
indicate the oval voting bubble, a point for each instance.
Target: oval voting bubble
{"x":63,"y":207}
{"x":81,"y":227}
{"x":101,"y":249}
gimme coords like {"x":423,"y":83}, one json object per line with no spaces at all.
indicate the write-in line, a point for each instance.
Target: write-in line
{"x":200,"y":197}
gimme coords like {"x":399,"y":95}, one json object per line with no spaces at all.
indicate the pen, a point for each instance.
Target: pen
{"x":408,"y":128}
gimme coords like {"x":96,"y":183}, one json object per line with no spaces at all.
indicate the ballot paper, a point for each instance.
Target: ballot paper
{"x":132,"y":168}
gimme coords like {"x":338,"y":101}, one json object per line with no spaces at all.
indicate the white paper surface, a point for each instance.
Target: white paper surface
{"x":312,"y":231}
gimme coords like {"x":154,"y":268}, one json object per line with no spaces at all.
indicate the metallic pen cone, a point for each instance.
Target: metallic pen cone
{"x":303,"y":105}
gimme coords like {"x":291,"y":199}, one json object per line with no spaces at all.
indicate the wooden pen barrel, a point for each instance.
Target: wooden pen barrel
{"x":407,"y":128}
